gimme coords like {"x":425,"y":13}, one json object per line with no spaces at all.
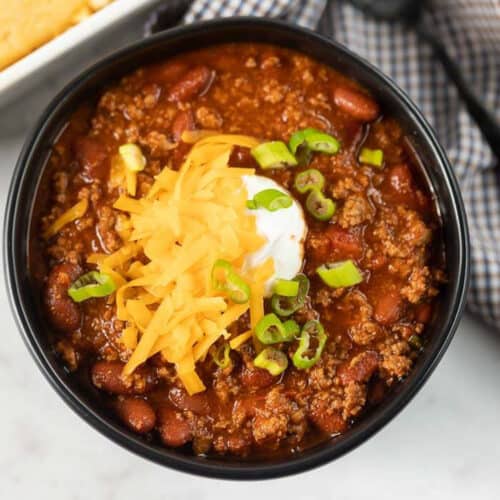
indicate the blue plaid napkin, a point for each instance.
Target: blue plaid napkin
{"x":470,"y":29}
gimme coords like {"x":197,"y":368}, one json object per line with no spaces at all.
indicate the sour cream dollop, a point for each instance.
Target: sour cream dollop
{"x":285,"y":231}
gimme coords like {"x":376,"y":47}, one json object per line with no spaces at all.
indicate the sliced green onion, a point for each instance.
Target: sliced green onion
{"x":416,"y":342}
{"x":321,"y":142}
{"x":285,"y":306}
{"x":238,"y":289}
{"x":132,"y":157}
{"x":340,"y":274}
{"x":226,"y":280}
{"x":274,"y":154}
{"x":292,"y":329}
{"x":286,"y":288}
{"x":311,"y":330}
{"x":270,"y":199}
{"x":270,"y":330}
{"x":319,"y":206}
{"x":309,"y":179}
{"x":304,"y":141}
{"x":298,"y":146}
{"x":220,"y":273}
{"x":272,"y":360}
{"x":221,"y":356}
{"x":373,"y":157}
{"x":91,"y":285}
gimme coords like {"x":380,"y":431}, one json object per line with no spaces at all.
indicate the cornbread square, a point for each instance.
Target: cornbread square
{"x":27,"y":24}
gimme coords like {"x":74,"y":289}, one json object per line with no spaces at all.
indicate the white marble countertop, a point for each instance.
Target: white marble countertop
{"x":444,"y":445}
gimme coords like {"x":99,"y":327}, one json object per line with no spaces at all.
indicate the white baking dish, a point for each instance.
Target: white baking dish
{"x":13,"y":79}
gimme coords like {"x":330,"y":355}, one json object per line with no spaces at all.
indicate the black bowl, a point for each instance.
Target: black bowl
{"x":21,"y":207}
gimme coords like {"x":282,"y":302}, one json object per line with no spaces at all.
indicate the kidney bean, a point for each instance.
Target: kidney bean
{"x":423,"y":312}
{"x":197,"y":403}
{"x":256,"y":378}
{"x":195,"y":81}
{"x":107,"y":375}
{"x":92,"y":157}
{"x":399,"y":186}
{"x":387,"y":307}
{"x":137,"y":414}
{"x":241,"y":157}
{"x":63,"y":313}
{"x":184,"y":120}
{"x":334,"y":243}
{"x":174,"y":429}
{"x":179,"y":154}
{"x":343,"y":242}
{"x":360,"y":368}
{"x":356,"y":104}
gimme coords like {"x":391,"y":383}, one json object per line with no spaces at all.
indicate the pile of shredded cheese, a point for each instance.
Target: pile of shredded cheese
{"x":188,"y":220}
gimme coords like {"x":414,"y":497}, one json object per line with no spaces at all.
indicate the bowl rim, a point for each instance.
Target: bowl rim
{"x":209,"y":467}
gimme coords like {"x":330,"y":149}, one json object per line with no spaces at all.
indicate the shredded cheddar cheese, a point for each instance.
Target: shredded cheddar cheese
{"x":238,"y":341}
{"x":75,"y":212}
{"x":187,"y":220}
{"x":129,"y":337}
{"x":133,"y":161}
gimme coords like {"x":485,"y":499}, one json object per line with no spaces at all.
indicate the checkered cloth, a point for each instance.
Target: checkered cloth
{"x":470,"y":29}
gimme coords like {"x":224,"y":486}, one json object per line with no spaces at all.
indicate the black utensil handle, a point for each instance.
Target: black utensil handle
{"x":390,"y":10}
{"x":483,"y":118}
{"x":166,"y":16}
